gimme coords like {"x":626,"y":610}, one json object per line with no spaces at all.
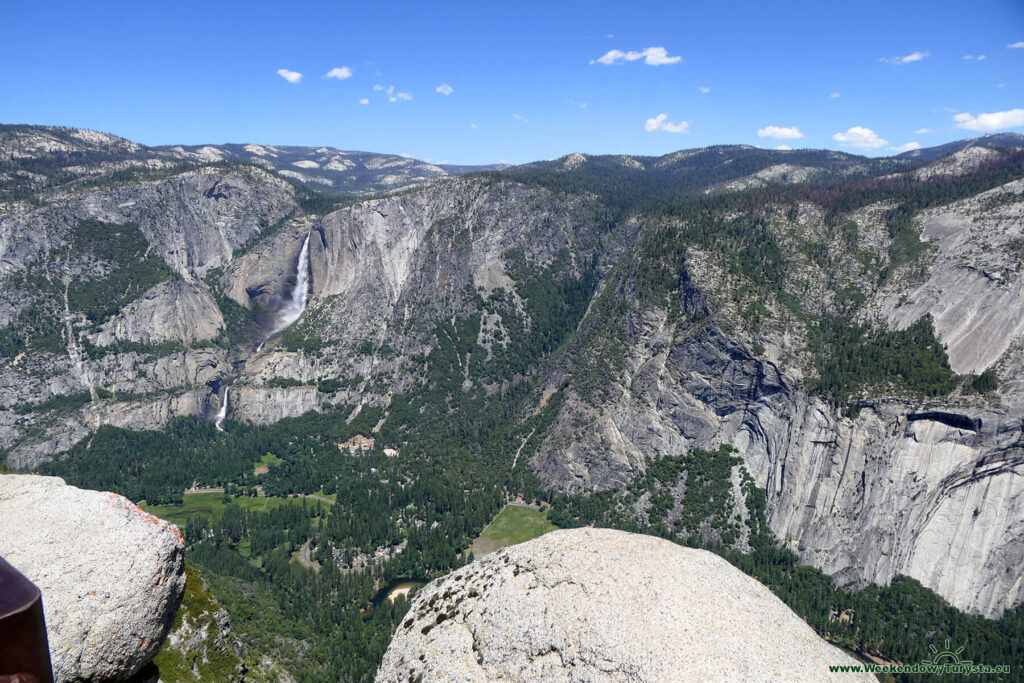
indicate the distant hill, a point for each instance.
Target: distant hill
{"x":995,"y":140}
{"x":458,"y":169}
{"x":32,"y":153}
{"x":323,"y":168}
{"x":623,"y":178}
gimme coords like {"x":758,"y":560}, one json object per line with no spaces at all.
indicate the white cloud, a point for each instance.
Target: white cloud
{"x":444,"y":89}
{"x":365,"y":100}
{"x":473,"y":125}
{"x":780,"y":133}
{"x":652,"y":56}
{"x":581,"y":105}
{"x":977,"y":58}
{"x":834,"y":96}
{"x":997,"y":120}
{"x":661,"y":123}
{"x":517,"y":117}
{"x":610,"y":35}
{"x":290,"y":76}
{"x":783,"y":148}
{"x":907,"y":59}
{"x":858,"y":136}
{"x":704,"y":89}
{"x":1016,"y":46}
{"x":392,"y":95}
{"x":906,"y":147}
{"x":922,"y":131}
{"x":339,"y":72}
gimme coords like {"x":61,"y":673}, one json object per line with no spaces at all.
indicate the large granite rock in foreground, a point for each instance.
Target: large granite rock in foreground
{"x":603,"y":605}
{"x":111,"y":575}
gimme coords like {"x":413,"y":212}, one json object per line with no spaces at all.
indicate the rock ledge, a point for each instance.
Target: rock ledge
{"x":603,"y":605}
{"x":111,"y":575}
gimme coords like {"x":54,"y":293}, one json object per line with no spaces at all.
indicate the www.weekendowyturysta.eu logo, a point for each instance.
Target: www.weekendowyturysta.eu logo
{"x":947,"y":656}
{"x":944,"y":661}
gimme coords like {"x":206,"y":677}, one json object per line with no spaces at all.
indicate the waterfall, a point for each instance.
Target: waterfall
{"x":223,"y":412}
{"x":297,"y":304}
{"x":288,"y":314}
{"x":294,"y":307}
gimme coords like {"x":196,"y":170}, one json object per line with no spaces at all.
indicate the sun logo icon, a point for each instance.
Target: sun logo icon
{"x":952,"y":655}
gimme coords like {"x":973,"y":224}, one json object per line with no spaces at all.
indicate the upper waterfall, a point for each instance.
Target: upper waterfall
{"x":300,"y":295}
{"x":296,"y":304}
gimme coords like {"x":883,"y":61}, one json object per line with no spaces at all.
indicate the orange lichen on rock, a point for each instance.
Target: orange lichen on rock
{"x":119,"y":501}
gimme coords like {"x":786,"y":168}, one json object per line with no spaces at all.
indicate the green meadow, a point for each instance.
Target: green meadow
{"x":211,"y":506}
{"x":514,"y":524}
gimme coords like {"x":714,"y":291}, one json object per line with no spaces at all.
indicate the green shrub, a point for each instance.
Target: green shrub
{"x":985,"y":382}
{"x":329,"y":386}
{"x":852,"y":358}
{"x":65,"y":402}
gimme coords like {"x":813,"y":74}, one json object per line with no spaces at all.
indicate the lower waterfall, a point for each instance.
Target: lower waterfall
{"x":223,"y":412}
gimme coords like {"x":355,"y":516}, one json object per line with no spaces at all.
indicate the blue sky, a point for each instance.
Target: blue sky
{"x":528,"y":80}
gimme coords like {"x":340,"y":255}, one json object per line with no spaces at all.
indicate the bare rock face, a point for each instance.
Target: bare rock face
{"x":779,"y":173}
{"x":383,"y":273}
{"x":172,"y":311}
{"x":603,"y":605}
{"x":111,"y":575}
{"x":960,"y":162}
{"x":896,"y":490}
{"x":973,"y":291}
{"x":194,"y":221}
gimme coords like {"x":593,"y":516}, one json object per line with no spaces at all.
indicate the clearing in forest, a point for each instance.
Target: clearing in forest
{"x":514,"y":524}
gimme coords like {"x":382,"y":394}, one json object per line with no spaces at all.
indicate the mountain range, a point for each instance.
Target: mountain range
{"x":851,"y":328}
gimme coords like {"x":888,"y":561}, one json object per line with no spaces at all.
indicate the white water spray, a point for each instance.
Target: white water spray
{"x":223,"y":412}
{"x":300,"y":295}
{"x":295,"y":306}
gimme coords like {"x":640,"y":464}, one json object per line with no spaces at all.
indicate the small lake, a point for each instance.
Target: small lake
{"x":396,"y":588}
